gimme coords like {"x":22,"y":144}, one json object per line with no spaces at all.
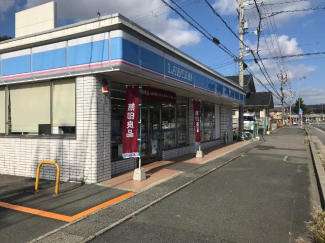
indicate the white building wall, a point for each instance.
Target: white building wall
{"x":34,"y":20}
{"x":87,"y":157}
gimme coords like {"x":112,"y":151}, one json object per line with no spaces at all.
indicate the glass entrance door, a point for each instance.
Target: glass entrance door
{"x":151,"y":132}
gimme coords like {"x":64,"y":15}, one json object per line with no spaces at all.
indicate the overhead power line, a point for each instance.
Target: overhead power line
{"x":258,"y":80}
{"x":276,"y":3}
{"x":226,"y":24}
{"x":265,"y":73}
{"x":293,"y":46}
{"x":271,"y":26}
{"x":154,"y":13}
{"x":292,"y":56}
{"x":203,"y":32}
{"x":293,"y":11}
{"x":191,"y":18}
{"x":208,"y":36}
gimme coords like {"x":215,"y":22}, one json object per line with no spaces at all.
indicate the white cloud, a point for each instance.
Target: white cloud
{"x":288,"y":47}
{"x":230,"y":7}
{"x":4,"y":6}
{"x":313,"y":96}
{"x":226,"y":6}
{"x":172,"y":30}
{"x":273,"y":43}
{"x":296,"y":72}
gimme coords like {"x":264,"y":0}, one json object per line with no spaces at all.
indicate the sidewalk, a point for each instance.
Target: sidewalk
{"x":160,"y":171}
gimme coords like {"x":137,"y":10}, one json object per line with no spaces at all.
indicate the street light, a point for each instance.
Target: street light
{"x":299,"y":102}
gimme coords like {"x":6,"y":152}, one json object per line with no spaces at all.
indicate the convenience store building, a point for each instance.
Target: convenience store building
{"x":62,"y":97}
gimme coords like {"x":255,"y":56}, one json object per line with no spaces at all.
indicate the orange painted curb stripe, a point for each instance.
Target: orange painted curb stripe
{"x":36,"y":212}
{"x":62,"y":217}
{"x":103,"y":205}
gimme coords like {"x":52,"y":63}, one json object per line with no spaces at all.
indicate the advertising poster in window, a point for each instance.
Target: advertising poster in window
{"x":130,"y":129}
{"x":196,"y":108}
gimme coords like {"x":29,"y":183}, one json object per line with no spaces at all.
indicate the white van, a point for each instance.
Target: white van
{"x":249,"y":121}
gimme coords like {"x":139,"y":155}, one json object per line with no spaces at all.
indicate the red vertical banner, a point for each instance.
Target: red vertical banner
{"x":197,"y":120}
{"x":130,"y":129}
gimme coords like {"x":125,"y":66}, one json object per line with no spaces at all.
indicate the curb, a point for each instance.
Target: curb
{"x":319,"y":171}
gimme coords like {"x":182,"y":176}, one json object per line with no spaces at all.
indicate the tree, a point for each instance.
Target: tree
{"x":295,"y":107}
{"x":5,"y":37}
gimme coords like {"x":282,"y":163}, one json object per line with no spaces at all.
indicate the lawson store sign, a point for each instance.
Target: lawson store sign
{"x":107,"y":52}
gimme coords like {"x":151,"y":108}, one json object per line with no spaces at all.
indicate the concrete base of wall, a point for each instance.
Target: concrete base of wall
{"x":124,"y":165}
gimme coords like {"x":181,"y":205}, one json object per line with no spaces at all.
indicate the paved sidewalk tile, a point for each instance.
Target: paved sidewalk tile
{"x":160,"y":171}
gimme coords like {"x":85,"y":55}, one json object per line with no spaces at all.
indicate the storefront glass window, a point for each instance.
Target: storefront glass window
{"x":64,"y":107}
{"x":182,"y":121}
{"x":117,"y":112}
{"x":208,"y":121}
{"x":2,"y":110}
{"x":168,"y":123}
{"x":30,"y":108}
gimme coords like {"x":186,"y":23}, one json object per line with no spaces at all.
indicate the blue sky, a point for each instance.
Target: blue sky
{"x":293,"y":33}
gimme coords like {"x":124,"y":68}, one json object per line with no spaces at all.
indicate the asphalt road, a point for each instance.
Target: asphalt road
{"x":265,"y":196}
{"x":320,"y":132}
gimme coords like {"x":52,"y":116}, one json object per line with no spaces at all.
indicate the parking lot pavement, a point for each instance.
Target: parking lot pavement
{"x":26,"y":214}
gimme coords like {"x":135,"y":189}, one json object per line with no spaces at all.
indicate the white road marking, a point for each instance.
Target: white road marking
{"x":285,"y":158}
{"x":319,"y":130}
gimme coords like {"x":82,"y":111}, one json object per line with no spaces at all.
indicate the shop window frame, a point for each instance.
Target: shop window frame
{"x":38,"y":136}
{"x":202,"y":127}
{"x":187,"y":100}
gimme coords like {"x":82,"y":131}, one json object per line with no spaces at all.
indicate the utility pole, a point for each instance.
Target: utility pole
{"x":290,"y":95}
{"x":241,"y":63}
{"x":282,"y":95}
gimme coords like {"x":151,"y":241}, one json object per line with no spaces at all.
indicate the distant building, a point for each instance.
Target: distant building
{"x":257,"y":103}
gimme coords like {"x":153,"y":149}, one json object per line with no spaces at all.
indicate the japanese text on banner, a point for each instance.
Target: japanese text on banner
{"x":197,"y":117}
{"x":130,"y":129}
